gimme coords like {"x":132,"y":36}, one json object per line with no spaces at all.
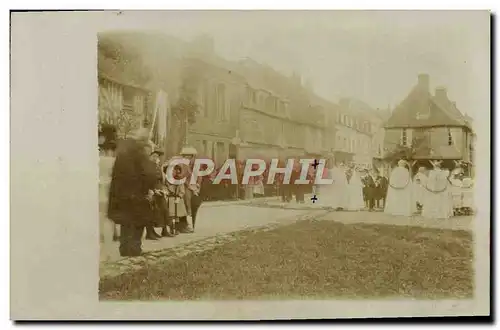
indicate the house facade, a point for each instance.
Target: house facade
{"x":278,"y":116}
{"x":355,"y":136}
{"x":121,"y":104}
{"x":431,"y":125}
{"x":244,"y":109}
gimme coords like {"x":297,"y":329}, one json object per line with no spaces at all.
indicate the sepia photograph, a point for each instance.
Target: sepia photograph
{"x":392,"y":126}
{"x":275,"y":156}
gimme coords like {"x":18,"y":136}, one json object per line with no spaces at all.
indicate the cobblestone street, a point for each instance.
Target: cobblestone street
{"x":212,"y":220}
{"x":220,"y":223}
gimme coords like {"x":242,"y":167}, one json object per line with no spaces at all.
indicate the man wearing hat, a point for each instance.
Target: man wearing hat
{"x":132,"y":180}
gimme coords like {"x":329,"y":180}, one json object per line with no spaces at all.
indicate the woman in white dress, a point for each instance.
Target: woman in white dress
{"x":334,"y":195}
{"x":355,"y":192}
{"x":399,"y":194}
{"x":438,"y":203}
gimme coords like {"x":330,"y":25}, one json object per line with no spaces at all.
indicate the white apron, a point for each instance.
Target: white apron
{"x":399,"y":194}
{"x":439,"y":202}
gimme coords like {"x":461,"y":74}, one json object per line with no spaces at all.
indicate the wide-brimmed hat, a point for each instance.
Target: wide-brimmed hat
{"x":159,"y":152}
{"x":188,"y":151}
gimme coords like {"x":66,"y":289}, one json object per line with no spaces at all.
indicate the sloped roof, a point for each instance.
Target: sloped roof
{"x":451,"y":109}
{"x":420,"y":109}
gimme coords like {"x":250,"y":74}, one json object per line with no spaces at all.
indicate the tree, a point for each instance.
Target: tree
{"x":122,"y":58}
{"x":127,"y":122}
{"x":418,"y":147}
{"x":186,"y":105}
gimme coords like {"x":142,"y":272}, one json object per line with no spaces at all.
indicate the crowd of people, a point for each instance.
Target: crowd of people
{"x":434,"y":193}
{"x":142,"y":199}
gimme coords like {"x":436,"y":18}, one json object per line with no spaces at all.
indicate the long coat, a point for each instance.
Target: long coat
{"x":134,"y":174}
{"x":176,"y":203}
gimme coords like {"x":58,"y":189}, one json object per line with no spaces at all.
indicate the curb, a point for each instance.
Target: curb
{"x":238,"y":202}
{"x":111,"y":269}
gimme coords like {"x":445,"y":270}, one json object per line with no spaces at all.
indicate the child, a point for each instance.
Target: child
{"x":174,"y":193}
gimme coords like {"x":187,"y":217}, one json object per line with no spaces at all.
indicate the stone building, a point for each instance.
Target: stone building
{"x":279,"y":117}
{"x":356,"y":126}
{"x":244,"y":109}
{"x":431,"y":125}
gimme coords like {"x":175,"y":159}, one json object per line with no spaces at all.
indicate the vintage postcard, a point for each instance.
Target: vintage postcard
{"x":264,"y":165}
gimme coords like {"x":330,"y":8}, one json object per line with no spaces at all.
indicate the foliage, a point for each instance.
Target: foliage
{"x":186,"y":104}
{"x":418,"y":146}
{"x":127,"y":122}
{"x":118,"y":58}
{"x":183,"y":106}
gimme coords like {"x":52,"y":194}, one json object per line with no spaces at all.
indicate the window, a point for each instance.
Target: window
{"x":221,"y":102}
{"x":450,"y":138}
{"x":404,"y":137}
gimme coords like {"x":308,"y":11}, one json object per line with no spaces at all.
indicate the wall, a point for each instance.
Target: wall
{"x":438,"y":137}
{"x":219,"y":94}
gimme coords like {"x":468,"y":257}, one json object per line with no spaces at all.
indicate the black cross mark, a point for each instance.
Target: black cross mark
{"x":315,"y":164}
{"x":314,"y":199}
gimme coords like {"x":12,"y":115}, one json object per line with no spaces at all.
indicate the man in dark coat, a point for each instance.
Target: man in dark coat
{"x":159,"y":203}
{"x":132,"y":181}
{"x":369,"y":184}
{"x":384,"y":186}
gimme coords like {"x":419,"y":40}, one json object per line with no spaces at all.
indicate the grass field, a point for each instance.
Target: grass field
{"x":313,"y":259}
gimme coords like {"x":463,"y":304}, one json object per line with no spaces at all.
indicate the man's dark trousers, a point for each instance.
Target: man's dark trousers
{"x":130,"y":240}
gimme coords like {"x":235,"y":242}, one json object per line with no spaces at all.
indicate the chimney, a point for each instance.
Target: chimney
{"x":424,"y":82}
{"x":441,"y":94}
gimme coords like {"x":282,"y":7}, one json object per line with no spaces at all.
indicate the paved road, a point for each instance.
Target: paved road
{"x":225,"y":217}
{"x":212,"y":220}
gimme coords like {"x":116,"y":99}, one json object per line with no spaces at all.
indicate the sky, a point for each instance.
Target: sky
{"x":368,"y":55}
